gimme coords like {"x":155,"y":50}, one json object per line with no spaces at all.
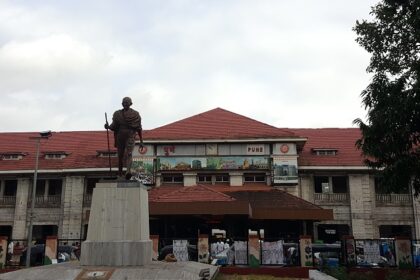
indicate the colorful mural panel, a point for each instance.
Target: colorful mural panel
{"x":142,"y":169}
{"x":212,"y":163}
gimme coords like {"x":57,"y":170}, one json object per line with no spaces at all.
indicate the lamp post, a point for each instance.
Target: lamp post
{"x":42,"y":135}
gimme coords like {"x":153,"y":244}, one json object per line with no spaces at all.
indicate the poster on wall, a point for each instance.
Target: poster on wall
{"x":142,"y":169}
{"x":212,"y":163}
{"x":285,"y":170}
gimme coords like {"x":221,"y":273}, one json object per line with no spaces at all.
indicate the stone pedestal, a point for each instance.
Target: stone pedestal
{"x":118,"y":232}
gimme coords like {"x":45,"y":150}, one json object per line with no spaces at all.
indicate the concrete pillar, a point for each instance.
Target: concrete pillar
{"x":253,"y":249}
{"x":362,"y":202}
{"x":190,"y":179}
{"x":72,"y":207}
{"x":416,"y":214}
{"x":404,"y":257}
{"x":2,"y":186}
{"x":236,"y":179}
{"x":306,"y":188}
{"x":21,"y":207}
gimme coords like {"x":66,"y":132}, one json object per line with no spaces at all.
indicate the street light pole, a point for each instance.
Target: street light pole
{"x":43,"y":135}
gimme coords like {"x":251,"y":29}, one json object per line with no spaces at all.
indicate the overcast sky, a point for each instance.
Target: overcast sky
{"x":286,"y":63}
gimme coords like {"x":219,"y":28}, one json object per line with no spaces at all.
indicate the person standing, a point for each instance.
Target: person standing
{"x":126,"y":123}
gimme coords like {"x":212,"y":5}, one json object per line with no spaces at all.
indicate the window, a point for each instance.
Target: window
{"x":204,"y":178}
{"x":222,"y":178}
{"x":10,"y":187}
{"x":107,"y":154}
{"x":12,"y":156}
{"x":382,"y":188}
{"x":90,"y":184}
{"x":55,"y":186}
{"x":254,"y":177}
{"x":213,"y":178}
{"x":331,"y":184}
{"x":55,"y":155}
{"x":173,"y":178}
{"x":40,"y":187}
{"x":50,"y":187}
{"x":325,"y":152}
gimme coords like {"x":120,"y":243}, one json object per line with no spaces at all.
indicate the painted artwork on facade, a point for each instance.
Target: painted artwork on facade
{"x":212,"y":163}
{"x":285,"y":170}
{"x":142,"y":169}
{"x":306,"y":249}
{"x":203,"y":249}
{"x":272,"y":252}
{"x":50,"y":250}
{"x":253,"y":250}
{"x":403,"y":252}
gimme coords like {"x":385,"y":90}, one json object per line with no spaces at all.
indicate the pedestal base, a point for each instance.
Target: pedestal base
{"x":116,"y":253}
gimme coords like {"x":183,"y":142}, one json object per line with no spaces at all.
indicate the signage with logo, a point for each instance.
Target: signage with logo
{"x":255,"y":149}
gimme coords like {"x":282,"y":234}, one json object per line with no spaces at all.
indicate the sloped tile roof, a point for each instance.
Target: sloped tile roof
{"x":217,"y":124}
{"x":263,"y":202}
{"x":189,"y":194}
{"x":342,"y":139}
{"x":81,"y":147}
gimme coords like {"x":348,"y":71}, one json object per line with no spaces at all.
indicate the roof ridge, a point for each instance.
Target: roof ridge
{"x":185,"y":189}
{"x":298,"y":198}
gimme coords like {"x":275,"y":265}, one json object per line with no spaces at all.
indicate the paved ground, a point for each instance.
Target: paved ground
{"x":74,"y":271}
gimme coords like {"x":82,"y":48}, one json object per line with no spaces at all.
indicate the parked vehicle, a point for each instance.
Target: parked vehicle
{"x":327,"y":254}
{"x":64,"y":253}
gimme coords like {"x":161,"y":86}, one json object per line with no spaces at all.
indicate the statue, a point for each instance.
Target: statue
{"x":125,"y":124}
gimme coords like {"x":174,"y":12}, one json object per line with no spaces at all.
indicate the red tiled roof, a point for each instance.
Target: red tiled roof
{"x":81,"y":146}
{"x":189,"y":194}
{"x":342,"y":139}
{"x":216,"y":124}
{"x":263,"y":202}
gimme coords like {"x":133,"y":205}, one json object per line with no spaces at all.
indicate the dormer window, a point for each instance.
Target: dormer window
{"x":12,"y":156}
{"x":325,"y":152}
{"x":107,"y":153}
{"x":55,"y":155}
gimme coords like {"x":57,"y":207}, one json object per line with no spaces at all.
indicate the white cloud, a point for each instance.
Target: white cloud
{"x":292,"y":64}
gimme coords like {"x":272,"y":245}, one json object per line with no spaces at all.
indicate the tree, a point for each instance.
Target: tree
{"x":391,"y":135}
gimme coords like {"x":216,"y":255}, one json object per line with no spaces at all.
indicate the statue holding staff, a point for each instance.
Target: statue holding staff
{"x":126,"y":123}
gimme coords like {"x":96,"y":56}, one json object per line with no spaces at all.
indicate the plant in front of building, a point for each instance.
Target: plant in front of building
{"x":391,"y":134}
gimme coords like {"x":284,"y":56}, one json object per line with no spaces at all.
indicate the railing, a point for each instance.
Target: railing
{"x":331,"y":197}
{"x":8,"y":201}
{"x":87,"y":200}
{"x":393,"y":199}
{"x":50,"y":201}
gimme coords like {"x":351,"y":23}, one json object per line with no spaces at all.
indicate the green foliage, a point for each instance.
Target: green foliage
{"x":391,"y":135}
{"x":340,"y":273}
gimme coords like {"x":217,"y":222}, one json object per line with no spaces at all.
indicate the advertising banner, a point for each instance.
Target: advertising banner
{"x":285,"y":170}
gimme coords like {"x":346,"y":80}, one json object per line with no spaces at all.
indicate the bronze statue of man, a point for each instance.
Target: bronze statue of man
{"x":126,"y":123}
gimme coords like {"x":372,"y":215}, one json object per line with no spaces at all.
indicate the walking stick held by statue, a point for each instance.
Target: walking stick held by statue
{"x":109,"y":149}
